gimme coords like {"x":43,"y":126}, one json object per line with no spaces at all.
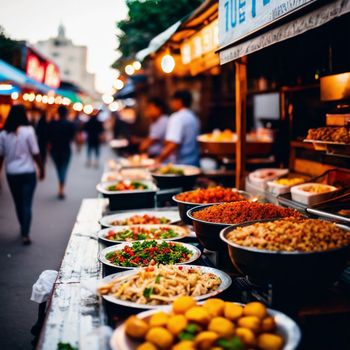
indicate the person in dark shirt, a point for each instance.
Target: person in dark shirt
{"x":60,"y":135}
{"x":94,"y":131}
{"x":41,"y":133}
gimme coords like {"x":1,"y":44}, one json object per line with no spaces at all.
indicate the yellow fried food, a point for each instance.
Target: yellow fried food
{"x":146,"y":346}
{"x":205,"y":340}
{"x":251,"y":322}
{"x":136,"y":328}
{"x":223,"y":327}
{"x":215,"y":306}
{"x":160,"y":337}
{"x":176,"y":324}
{"x":267,"y":341}
{"x":159,"y":319}
{"x":246,"y":335}
{"x":182,"y":304}
{"x":184,"y":345}
{"x":232,"y":311}
{"x":268,"y":324}
{"x":255,"y":309}
{"x":198,"y":314}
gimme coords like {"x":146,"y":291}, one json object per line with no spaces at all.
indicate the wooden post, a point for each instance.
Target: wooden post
{"x":241,"y":119}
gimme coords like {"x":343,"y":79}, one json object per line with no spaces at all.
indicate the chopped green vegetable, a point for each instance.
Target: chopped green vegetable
{"x":65,"y":346}
{"x":158,"y":279}
{"x":192,"y":328}
{"x":231,"y":344}
{"x":186,"y":336}
{"x":147,"y":292}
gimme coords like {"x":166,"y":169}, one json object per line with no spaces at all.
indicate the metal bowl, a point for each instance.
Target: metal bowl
{"x":289,"y":269}
{"x":196,"y":253}
{"x":225,"y":283}
{"x":286,"y":327}
{"x":184,"y":207}
{"x":185,"y":181}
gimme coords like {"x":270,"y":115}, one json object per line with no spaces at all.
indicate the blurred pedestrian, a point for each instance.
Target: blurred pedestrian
{"x":60,"y":135}
{"x":94,"y":133}
{"x":181,"y":144}
{"x":41,"y":133}
{"x":155,"y":111}
{"x":20,"y":150}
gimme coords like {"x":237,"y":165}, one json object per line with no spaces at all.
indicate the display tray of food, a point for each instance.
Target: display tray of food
{"x":175,"y":175}
{"x":283,"y":184}
{"x":129,"y":194}
{"x":126,"y":174}
{"x":212,"y":324}
{"x":212,"y":195}
{"x":121,"y":234}
{"x":209,"y":220}
{"x":312,"y":193}
{"x":222,"y":143}
{"x":140,"y":217}
{"x":155,"y":286}
{"x":136,"y":161}
{"x":148,"y":253}
{"x":294,"y":252}
{"x":260,"y":178}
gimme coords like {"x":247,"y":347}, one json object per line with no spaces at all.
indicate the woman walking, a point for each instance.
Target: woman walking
{"x":20,"y":150}
{"x":60,"y":135}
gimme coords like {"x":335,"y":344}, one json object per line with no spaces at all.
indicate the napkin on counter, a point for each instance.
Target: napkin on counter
{"x":42,"y":288}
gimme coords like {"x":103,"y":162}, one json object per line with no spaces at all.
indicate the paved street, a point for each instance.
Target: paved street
{"x":20,"y":265}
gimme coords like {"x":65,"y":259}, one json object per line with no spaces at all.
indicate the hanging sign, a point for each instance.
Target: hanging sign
{"x":239,"y":18}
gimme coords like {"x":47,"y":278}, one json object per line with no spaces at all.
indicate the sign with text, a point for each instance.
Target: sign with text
{"x":239,"y":18}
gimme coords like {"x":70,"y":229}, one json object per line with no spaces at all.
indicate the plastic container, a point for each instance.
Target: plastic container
{"x":309,"y":198}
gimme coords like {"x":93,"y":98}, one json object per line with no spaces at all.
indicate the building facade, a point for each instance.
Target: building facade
{"x":70,"y":58}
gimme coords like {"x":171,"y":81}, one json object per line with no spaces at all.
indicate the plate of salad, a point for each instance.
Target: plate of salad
{"x":126,"y":186}
{"x":141,"y":217}
{"x":133,"y":233}
{"x":148,"y":253}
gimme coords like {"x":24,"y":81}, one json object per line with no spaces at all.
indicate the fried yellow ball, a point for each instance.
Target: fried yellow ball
{"x":176,"y":324}
{"x":146,"y":346}
{"x":215,"y":306}
{"x":160,"y":337}
{"x":268,"y":324}
{"x":255,"y":309}
{"x":251,"y":322}
{"x":205,"y":340}
{"x":268,"y":341}
{"x":136,"y":328}
{"x":198,"y":314}
{"x":159,"y":319}
{"x":246,"y":335}
{"x":232,"y":311}
{"x":184,"y":345}
{"x":223,"y":327}
{"x":182,"y":304}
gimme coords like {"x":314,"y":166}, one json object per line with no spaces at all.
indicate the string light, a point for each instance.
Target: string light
{"x":78,"y":106}
{"x":129,"y":69}
{"x":14,"y":95}
{"x":137,"y":65}
{"x":88,"y":109}
{"x":168,"y":63}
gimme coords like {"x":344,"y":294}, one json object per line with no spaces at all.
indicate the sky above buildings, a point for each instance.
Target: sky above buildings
{"x":87,"y":22}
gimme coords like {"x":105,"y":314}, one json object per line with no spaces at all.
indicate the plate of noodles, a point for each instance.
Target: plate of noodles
{"x":158,"y":286}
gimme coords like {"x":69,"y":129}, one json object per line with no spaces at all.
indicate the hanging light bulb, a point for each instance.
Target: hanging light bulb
{"x":168,"y":63}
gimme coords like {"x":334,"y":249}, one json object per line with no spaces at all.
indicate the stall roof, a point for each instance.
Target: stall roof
{"x":11,"y":74}
{"x":297,"y":26}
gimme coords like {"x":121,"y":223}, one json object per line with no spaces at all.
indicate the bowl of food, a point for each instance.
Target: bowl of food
{"x":312,"y":193}
{"x":156,"y":286}
{"x":131,"y":233}
{"x":209,"y":220}
{"x":176,"y":176}
{"x":140,"y":217}
{"x":136,"y":161}
{"x":203,"y":196}
{"x":148,"y":253}
{"x":284,"y":184}
{"x":213,"y":324}
{"x":128,"y":194}
{"x":294,"y":252}
{"x":259,"y":178}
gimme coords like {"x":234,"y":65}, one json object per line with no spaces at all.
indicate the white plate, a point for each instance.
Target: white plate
{"x":286,"y":327}
{"x":102,"y":188}
{"x":196,"y":253}
{"x":189,"y":170}
{"x":184,"y":232}
{"x":172,"y":215}
{"x":225,"y":283}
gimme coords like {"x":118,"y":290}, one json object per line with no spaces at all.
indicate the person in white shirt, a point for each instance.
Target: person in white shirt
{"x":155,"y":111}
{"x":181,"y":144}
{"x":20,"y":151}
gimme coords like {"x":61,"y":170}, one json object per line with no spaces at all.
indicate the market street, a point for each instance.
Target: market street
{"x":21,"y":265}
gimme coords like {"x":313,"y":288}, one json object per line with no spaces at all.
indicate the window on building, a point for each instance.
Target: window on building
{"x":67,"y":72}
{"x":55,"y":54}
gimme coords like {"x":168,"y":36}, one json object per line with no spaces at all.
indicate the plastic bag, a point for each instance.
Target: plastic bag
{"x":42,"y":288}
